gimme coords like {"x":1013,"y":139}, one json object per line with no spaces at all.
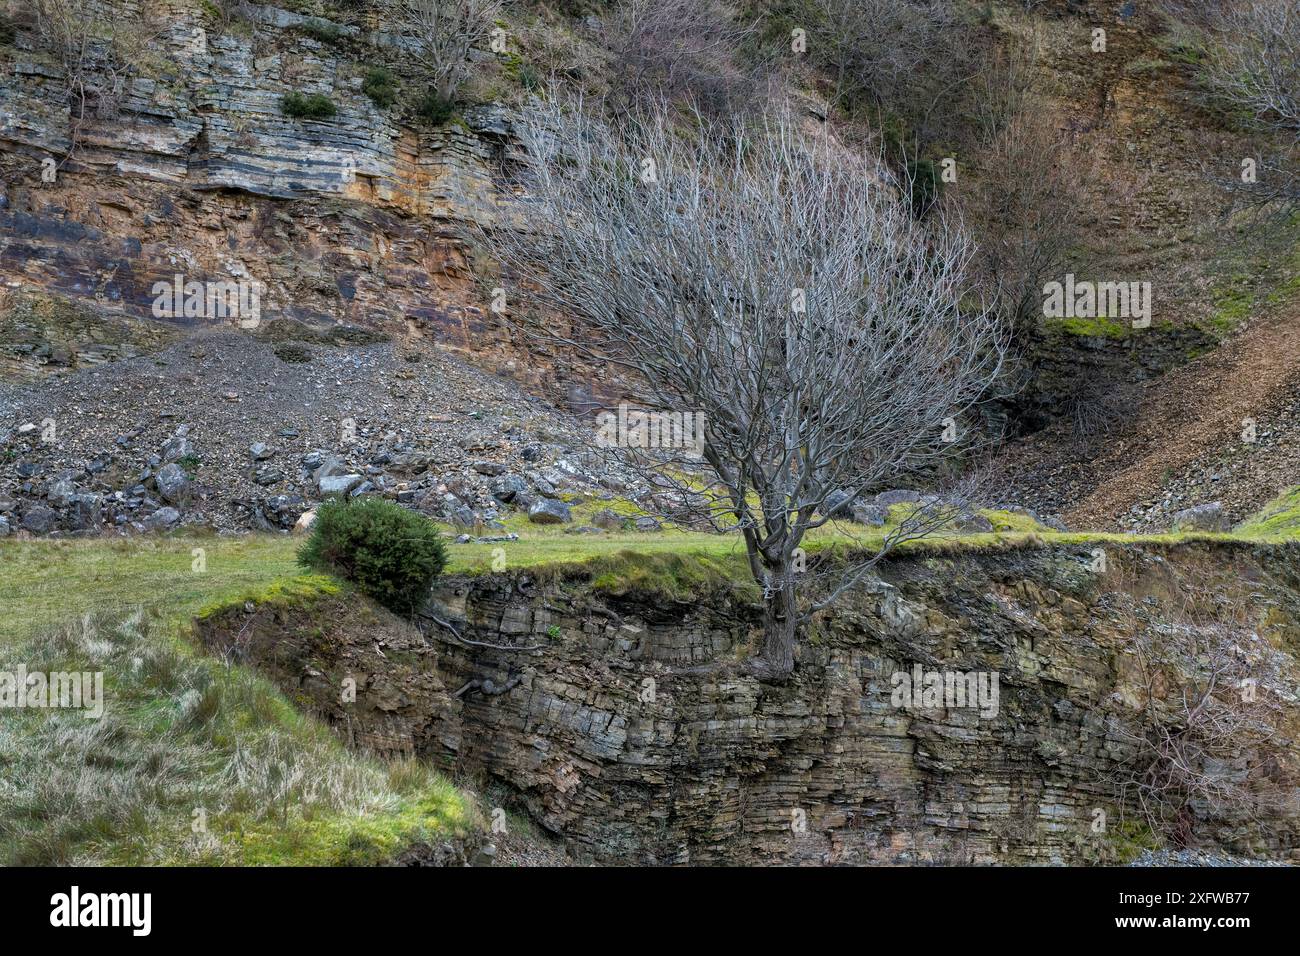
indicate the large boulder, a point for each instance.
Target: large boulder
{"x":176,"y":448}
{"x":839,"y":504}
{"x":61,"y":492}
{"x":38,"y":519}
{"x":84,"y":511}
{"x":332,"y":467}
{"x":172,"y":484}
{"x":268,"y":475}
{"x":285,"y":509}
{"x":338,"y":484}
{"x":549,"y":511}
{"x":455,"y":511}
{"x":1207,"y":517}
{"x":967,"y":523}
{"x":162,"y":519}
{"x":608,"y":519}
{"x":897,"y":496}
{"x":872,"y":515}
{"x":410,"y":462}
{"x":508,"y":488}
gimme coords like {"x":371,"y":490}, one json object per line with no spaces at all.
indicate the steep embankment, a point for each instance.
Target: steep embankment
{"x":1137,"y":424}
{"x":613,"y":717}
{"x":1224,"y":428}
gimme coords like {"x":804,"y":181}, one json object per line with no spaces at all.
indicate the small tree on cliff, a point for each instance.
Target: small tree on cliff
{"x":775,"y":284}
{"x":442,"y":33}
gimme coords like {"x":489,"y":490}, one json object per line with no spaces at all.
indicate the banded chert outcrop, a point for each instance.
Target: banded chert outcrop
{"x":359,"y":218}
{"x":619,"y":727}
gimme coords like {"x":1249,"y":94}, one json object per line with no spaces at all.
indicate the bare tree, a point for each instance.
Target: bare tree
{"x":680,"y":49}
{"x":442,"y":33}
{"x":776,"y":285}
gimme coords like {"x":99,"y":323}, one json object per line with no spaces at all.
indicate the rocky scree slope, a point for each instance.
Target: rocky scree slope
{"x":218,"y":430}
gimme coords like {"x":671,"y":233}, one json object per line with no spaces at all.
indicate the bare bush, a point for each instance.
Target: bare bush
{"x":1003,"y":89}
{"x":1030,"y":206}
{"x":901,"y":56}
{"x":1095,"y":405}
{"x":1249,"y":52}
{"x":681,"y":50}
{"x":442,"y":34}
{"x":1254,"y":60}
{"x":229,"y":11}
{"x":774,"y":284}
{"x":96,"y":57}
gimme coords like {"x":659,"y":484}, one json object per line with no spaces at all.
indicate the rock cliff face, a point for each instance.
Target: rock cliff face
{"x":359,"y":218}
{"x":619,"y":726}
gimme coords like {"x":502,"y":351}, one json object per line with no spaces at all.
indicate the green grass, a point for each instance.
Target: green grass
{"x":1263,"y":276}
{"x":1280,"y":518}
{"x":196,"y":762}
{"x":1234,"y":301}
{"x":45,"y":582}
{"x":184,"y":731}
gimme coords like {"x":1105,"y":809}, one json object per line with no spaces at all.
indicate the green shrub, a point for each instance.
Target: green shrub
{"x":309,"y":106}
{"x":7,"y":31}
{"x":433,"y":109}
{"x":392,"y":554}
{"x":381,"y":86}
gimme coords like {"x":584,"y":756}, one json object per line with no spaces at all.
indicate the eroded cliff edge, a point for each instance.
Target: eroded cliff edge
{"x":624,"y":728}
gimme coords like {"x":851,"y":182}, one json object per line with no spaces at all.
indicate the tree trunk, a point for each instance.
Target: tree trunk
{"x":779,"y":624}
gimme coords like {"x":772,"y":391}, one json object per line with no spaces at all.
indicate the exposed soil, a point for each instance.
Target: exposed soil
{"x":1186,"y":442}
